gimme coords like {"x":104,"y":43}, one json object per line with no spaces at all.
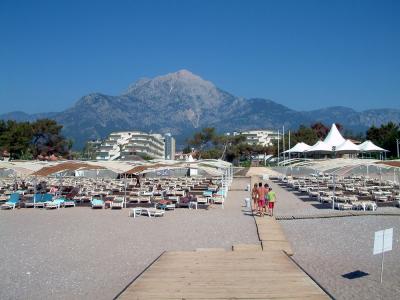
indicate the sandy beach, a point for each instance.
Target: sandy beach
{"x":81,"y":253}
{"x":327,"y":249}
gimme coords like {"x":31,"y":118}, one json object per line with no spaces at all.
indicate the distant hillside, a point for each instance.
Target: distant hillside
{"x":182,"y":102}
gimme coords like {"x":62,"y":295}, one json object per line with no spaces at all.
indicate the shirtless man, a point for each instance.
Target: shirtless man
{"x":261,"y":191}
{"x":254,"y":196}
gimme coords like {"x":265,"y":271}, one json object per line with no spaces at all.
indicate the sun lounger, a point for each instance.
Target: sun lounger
{"x":144,"y":199}
{"x":202,"y":200}
{"x":117,"y":203}
{"x":11,"y":202}
{"x":152,"y":212}
{"x":31,"y":203}
{"x":136,"y":211}
{"x":69,"y":202}
{"x":41,"y":202}
{"x":56,"y":203}
{"x":97,"y":203}
{"x":165,"y":205}
{"x":207,"y":193}
{"x":344,"y":206}
{"x":218,"y":199}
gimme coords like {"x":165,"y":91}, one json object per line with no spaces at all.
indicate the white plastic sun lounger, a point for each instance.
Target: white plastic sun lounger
{"x":152,"y":212}
{"x":117,"y":203}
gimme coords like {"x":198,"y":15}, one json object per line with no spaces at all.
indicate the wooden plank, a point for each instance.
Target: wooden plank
{"x":278,"y":245}
{"x":211,"y":249}
{"x":246,"y":247}
{"x":224,"y":275}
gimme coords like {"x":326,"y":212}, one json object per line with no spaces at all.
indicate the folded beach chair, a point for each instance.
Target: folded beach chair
{"x":97,"y":203}
{"x":11,"y":202}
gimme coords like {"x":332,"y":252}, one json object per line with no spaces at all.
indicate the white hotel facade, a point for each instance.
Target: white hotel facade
{"x":263,"y":137}
{"x":122,"y":145}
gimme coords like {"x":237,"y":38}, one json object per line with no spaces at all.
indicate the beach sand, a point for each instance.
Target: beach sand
{"x":328,"y":248}
{"x":81,"y":253}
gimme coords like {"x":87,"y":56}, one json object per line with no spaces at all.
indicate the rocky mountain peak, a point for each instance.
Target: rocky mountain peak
{"x":182,"y":102}
{"x":182,"y":80}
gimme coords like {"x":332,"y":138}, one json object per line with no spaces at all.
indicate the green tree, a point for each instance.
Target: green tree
{"x":320,"y":130}
{"x":203,"y":140}
{"x":15,"y":138}
{"x":385,"y":136}
{"x":24,"y":140}
{"x":47,"y":139}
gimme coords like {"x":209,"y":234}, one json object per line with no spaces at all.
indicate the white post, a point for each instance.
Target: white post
{"x":383,"y":255}
{"x":278,"y":146}
{"x":289,"y":144}
{"x":34,"y":191}
{"x":334,"y":191}
{"x":125,"y":190}
{"x":283,"y":143}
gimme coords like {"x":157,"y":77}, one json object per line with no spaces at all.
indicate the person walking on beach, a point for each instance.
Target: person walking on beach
{"x":266,"y":186}
{"x":261,"y":191}
{"x":271,"y":201}
{"x":254,"y":196}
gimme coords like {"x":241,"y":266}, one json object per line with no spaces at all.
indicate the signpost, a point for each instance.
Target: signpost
{"x":383,"y":243}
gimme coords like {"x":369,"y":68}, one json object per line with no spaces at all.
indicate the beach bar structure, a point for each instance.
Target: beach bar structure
{"x":334,"y":145}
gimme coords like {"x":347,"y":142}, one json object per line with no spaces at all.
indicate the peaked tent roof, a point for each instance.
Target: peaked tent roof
{"x":347,"y":146}
{"x":369,"y":146}
{"x":334,"y":138}
{"x":298,"y":148}
{"x":320,"y":146}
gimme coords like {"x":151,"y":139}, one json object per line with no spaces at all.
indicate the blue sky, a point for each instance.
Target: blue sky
{"x":302,"y":54}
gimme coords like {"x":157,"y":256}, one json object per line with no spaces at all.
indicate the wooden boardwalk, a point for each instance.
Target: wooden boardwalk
{"x":271,"y":235}
{"x":224,"y":275}
{"x":260,"y":271}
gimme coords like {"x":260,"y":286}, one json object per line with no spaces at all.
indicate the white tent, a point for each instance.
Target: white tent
{"x":320,"y":147}
{"x":348,"y":147}
{"x":298,"y":148}
{"x":369,"y":146}
{"x":334,"y":138}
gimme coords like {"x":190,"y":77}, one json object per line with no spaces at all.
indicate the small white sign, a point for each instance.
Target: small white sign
{"x":383,"y":241}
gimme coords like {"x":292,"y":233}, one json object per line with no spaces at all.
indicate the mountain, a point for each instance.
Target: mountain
{"x":351,"y":119}
{"x":20,"y":116}
{"x":183,"y":102}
